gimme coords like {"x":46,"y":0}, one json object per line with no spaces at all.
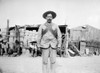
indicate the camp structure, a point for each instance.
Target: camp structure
{"x":87,"y":39}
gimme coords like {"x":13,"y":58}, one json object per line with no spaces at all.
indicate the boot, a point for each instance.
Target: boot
{"x":45,"y":68}
{"x":53,"y":67}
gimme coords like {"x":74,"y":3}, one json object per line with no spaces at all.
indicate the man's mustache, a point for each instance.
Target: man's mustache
{"x":49,"y":20}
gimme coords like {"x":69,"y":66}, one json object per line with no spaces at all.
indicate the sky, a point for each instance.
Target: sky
{"x":71,"y":12}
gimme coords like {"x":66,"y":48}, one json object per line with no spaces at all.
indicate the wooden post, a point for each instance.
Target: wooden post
{"x":7,"y":31}
{"x":65,"y":43}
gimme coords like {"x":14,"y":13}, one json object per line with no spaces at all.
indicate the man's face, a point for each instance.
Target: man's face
{"x":49,"y":18}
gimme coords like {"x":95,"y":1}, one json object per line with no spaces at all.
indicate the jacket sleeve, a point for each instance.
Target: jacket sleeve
{"x":59,"y":37}
{"x":39,"y":34}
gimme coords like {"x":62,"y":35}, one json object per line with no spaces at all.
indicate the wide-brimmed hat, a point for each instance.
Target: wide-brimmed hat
{"x":49,"y":12}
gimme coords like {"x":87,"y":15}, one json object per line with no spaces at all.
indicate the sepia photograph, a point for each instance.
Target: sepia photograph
{"x":49,"y":36}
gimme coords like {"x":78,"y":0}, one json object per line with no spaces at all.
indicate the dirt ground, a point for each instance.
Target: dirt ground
{"x":26,"y":64}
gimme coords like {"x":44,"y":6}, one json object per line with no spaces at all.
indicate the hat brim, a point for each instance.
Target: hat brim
{"x":49,"y":12}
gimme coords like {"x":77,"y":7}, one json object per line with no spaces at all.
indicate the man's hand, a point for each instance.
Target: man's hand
{"x":39,"y":46}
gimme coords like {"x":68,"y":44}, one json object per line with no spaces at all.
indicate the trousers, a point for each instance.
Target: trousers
{"x":51,"y":55}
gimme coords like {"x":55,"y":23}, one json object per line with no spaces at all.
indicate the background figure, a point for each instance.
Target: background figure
{"x":5,"y":47}
{"x":33,"y":49}
{"x":49,"y":40}
{"x":11,"y":49}
{"x":1,"y":49}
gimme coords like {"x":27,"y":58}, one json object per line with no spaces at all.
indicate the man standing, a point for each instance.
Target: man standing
{"x":49,"y":40}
